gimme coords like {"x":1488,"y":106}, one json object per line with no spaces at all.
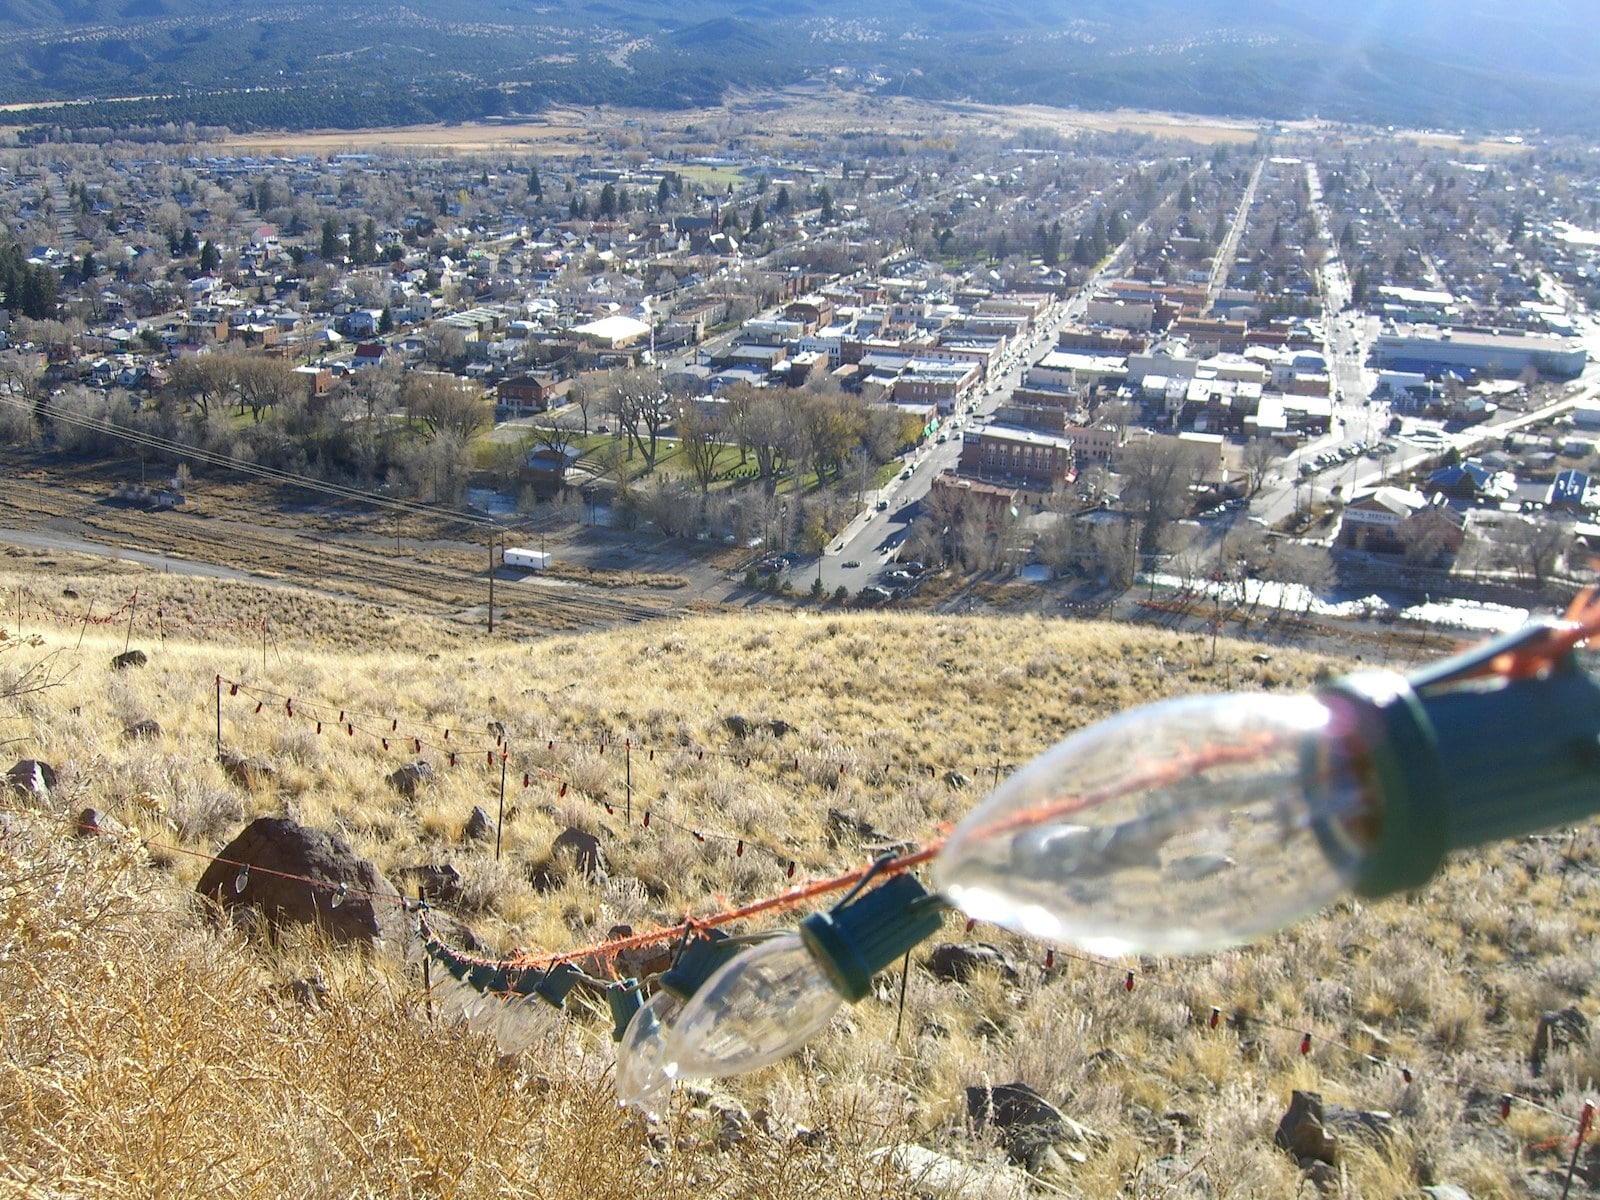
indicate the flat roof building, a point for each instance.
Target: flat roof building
{"x":1475,"y":352}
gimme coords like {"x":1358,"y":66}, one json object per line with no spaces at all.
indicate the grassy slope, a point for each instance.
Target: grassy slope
{"x":145,"y":1049}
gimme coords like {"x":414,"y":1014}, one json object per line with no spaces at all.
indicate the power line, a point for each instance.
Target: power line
{"x":256,"y":470}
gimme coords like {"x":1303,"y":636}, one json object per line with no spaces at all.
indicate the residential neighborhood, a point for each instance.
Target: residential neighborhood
{"x":1088,"y":360}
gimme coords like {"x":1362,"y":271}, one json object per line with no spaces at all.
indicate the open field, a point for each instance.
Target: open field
{"x":141,"y":1040}
{"x":800,"y":113}
{"x":793,"y":113}
{"x":562,"y":134}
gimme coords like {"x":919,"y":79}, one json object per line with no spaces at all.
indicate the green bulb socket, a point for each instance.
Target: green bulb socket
{"x":624,"y":1000}
{"x":698,"y":962}
{"x":1455,"y":758}
{"x":553,"y":987}
{"x":855,"y":941}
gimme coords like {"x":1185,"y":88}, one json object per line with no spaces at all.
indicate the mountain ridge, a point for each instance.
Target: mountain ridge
{"x":1481,"y":65}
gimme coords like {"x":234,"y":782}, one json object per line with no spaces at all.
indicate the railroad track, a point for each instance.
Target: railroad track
{"x":330,"y":553}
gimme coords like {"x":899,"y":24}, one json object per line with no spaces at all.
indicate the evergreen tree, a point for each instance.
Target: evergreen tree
{"x":825,"y":199}
{"x":89,"y":268}
{"x":210,"y":256}
{"x":39,"y":288}
{"x":663,"y":194}
{"x":25,"y":288}
{"x":1185,"y":197}
{"x":330,"y":248}
{"x":781,"y":204}
{"x":757,"y":217}
{"x":188,"y":243}
{"x":1358,"y":287}
{"x":535,"y":188}
{"x":624,"y":202}
{"x":386,"y":321}
{"x":608,"y":201}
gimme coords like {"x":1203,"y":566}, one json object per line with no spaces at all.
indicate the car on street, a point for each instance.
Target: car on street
{"x":850,"y":565}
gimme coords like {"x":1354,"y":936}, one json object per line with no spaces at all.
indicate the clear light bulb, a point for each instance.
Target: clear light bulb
{"x":456,"y":998}
{"x":645,"y":1063}
{"x":241,"y":880}
{"x":755,"y":1010}
{"x":1181,"y":826}
{"x":517,"y":1022}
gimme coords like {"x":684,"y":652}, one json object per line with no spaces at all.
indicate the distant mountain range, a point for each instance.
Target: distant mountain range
{"x":1479,"y":65}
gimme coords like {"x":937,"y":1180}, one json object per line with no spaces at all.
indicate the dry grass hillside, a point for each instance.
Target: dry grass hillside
{"x":144,"y":1050}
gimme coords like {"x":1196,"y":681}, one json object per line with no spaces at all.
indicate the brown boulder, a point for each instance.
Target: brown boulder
{"x":32,"y":778}
{"x":585,"y":850}
{"x":435,"y":882}
{"x":407,"y":779}
{"x":958,"y":962}
{"x":1023,"y":1120}
{"x":1302,"y":1134}
{"x":1557,"y":1030}
{"x":94,"y":823}
{"x":293,"y":878}
{"x":479,"y":826}
{"x":245,"y":771}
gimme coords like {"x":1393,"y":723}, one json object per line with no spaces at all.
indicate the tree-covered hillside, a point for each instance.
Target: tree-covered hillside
{"x":1479,"y":64}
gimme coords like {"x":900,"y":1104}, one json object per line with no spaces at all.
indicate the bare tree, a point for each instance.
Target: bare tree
{"x":376,"y":390}
{"x":642,"y":409}
{"x":444,"y":404}
{"x":1156,"y":476}
{"x":1058,"y":540}
{"x":264,"y":382}
{"x":1535,"y":547}
{"x":588,"y":393}
{"x":762,"y":424}
{"x":1117,"y":547}
{"x":699,"y":442}
{"x":1260,"y":455}
{"x":205,"y":381}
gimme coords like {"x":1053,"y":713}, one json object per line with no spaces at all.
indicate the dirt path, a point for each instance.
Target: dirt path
{"x":230,"y":532}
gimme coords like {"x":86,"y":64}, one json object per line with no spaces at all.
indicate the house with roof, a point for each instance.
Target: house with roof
{"x":1392,"y":520}
{"x":530,"y":393}
{"x":1470,"y":482}
{"x":371,"y":354}
{"x":1570,"y":492}
{"x":545,"y":468}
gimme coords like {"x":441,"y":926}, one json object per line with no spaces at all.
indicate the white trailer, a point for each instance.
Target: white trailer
{"x":521,"y":556}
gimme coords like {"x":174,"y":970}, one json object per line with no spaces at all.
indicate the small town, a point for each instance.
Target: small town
{"x":1101,"y":358}
{"x":800,"y":601}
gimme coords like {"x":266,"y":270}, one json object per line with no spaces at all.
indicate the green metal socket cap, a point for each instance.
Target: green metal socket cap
{"x":857,"y":940}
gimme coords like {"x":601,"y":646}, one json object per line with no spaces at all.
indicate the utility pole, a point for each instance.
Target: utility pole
{"x":491,"y":580}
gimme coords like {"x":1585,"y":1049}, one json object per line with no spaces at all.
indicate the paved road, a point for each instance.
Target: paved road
{"x":35,"y":539}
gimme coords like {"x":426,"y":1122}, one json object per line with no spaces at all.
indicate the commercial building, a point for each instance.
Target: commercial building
{"x":1438,"y":352}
